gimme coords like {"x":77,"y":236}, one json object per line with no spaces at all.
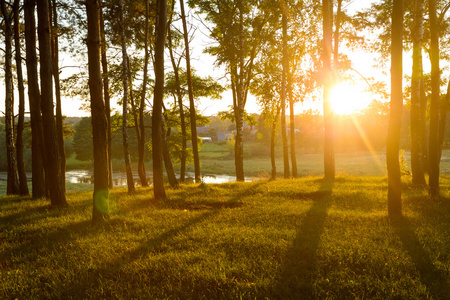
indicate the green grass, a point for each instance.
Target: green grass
{"x":284,"y":239}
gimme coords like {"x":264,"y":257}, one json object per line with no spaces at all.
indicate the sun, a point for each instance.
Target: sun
{"x":347,"y":98}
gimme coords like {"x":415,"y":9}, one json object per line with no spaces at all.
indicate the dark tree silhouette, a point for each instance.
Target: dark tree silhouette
{"x":285,"y":66}
{"x":395,"y":117}
{"x":99,"y":121}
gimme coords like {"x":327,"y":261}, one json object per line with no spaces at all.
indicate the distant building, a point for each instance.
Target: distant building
{"x":224,"y":136}
{"x":205,"y":139}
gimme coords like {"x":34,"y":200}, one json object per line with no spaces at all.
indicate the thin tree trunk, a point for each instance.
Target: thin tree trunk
{"x":424,"y":133}
{"x":418,"y":176}
{"x":12,"y":187}
{"x":126,"y":152}
{"x":55,"y":180}
{"x":239,"y":105}
{"x":23,"y":181}
{"x":167,"y":161}
{"x":434,"y":105}
{"x":158,"y":95}
{"x":37,"y":140}
{"x":105,"y":77}
{"x":443,"y":120}
{"x":273,"y":142}
{"x":141,"y":141}
{"x":100,"y":211}
{"x":328,"y":149}
{"x":59,"y":117}
{"x":292,"y":127}
{"x":182,"y":117}
{"x":395,"y":117}
{"x":191,"y":97}
{"x":283,"y":94}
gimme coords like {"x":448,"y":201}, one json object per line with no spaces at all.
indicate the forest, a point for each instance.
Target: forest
{"x":337,"y":121}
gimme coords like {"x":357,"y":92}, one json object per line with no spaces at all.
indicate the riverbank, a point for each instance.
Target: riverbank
{"x":283,"y":239}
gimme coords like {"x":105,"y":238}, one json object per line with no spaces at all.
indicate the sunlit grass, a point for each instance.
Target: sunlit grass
{"x":284,"y":239}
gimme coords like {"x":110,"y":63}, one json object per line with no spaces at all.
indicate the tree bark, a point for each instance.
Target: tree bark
{"x":395,"y":117}
{"x":239,"y":105}
{"x":434,"y":149}
{"x":191,"y":97}
{"x":181,"y":108}
{"x":55,"y":70}
{"x":105,"y":77}
{"x":167,"y":161}
{"x":12,"y":187}
{"x":273,"y":143}
{"x":55,"y":180}
{"x":328,"y":149}
{"x":283,"y":93}
{"x":292,"y":127}
{"x":418,"y":175}
{"x":98,"y":116}
{"x":126,"y":152}
{"x":23,"y":181}
{"x":37,"y":139}
{"x":158,"y":95}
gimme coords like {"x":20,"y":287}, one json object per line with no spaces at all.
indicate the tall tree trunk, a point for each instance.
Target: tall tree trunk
{"x":141,"y":141}
{"x":12,"y":187}
{"x":158,"y":95}
{"x":239,"y":103}
{"x":328,"y":148}
{"x":37,"y":139}
{"x":180,"y":106}
{"x":98,"y":116}
{"x":126,"y":152}
{"x":167,"y":161}
{"x":283,"y":93}
{"x":418,"y":175}
{"x":23,"y":181}
{"x":105,"y":77}
{"x":55,"y":66}
{"x":55,"y":180}
{"x":273,"y":142}
{"x":395,"y":117}
{"x":443,"y":120}
{"x":434,"y":105}
{"x":191,"y":97}
{"x":292,"y":126}
{"x":423,"y":123}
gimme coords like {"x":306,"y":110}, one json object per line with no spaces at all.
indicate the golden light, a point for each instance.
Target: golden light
{"x":347,"y":98}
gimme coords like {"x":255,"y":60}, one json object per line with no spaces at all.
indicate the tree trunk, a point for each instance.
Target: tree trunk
{"x":180,"y":106}
{"x":434,"y":105}
{"x":37,"y":140}
{"x":283,"y":94}
{"x":424,"y":133}
{"x":443,"y":120}
{"x":418,"y":176}
{"x":239,"y":103}
{"x":55,"y":66}
{"x":328,"y":148}
{"x":167,"y":161}
{"x":98,"y":116}
{"x":23,"y":181}
{"x":292,"y":127}
{"x":141,"y":141}
{"x":395,"y":117}
{"x":126,"y":152}
{"x":191,"y":97}
{"x":12,"y":187}
{"x":273,"y":143}
{"x":158,"y":95}
{"x":105,"y":77}
{"x":55,"y":180}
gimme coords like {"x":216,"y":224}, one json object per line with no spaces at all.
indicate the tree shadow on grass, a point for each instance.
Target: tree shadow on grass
{"x":433,"y":278}
{"x":296,"y":277}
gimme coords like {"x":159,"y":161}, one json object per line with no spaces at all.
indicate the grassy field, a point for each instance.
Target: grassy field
{"x":284,"y":239}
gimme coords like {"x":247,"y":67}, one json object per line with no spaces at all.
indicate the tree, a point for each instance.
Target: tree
{"x":158,"y":182}
{"x":285,"y":71}
{"x":328,"y":148}
{"x":130,"y":181}
{"x":99,"y":121}
{"x":434,"y":148}
{"x":55,"y":181}
{"x":23,"y":182}
{"x":37,"y":138}
{"x":395,"y":116}
{"x":417,"y":170}
{"x":12,"y":180}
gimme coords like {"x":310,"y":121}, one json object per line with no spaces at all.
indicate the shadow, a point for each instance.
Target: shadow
{"x":296,"y":277}
{"x":434,"y":279}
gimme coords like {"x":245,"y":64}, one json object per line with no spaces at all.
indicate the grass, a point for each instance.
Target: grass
{"x":284,"y":239}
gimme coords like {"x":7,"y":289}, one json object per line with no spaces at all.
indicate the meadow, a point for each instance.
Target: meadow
{"x":284,"y":239}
